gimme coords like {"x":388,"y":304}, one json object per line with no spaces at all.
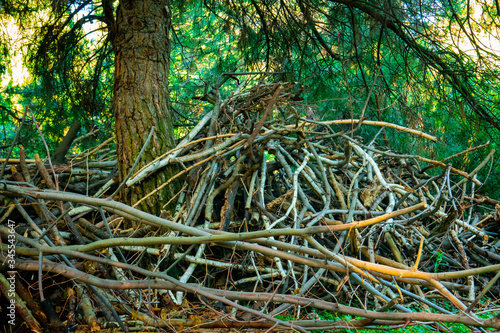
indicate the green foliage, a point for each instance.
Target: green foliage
{"x":287,"y":318}
{"x":71,"y":71}
{"x":439,"y":261}
{"x":325,"y":315}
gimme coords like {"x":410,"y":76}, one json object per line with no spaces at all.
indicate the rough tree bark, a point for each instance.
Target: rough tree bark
{"x":142,"y":50}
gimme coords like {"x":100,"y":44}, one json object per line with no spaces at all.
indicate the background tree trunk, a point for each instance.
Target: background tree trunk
{"x":142,"y":50}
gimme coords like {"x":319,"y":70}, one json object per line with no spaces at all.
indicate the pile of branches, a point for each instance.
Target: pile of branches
{"x":282,"y":222}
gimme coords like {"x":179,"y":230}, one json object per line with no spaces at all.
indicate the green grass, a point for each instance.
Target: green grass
{"x":453,"y":327}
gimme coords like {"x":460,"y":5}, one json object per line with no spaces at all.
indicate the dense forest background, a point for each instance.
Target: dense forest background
{"x":429,"y":65}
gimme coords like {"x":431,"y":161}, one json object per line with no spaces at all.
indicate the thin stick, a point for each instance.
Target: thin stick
{"x":138,"y":158}
{"x":14,"y":142}
{"x":46,"y":149}
{"x":373,"y":123}
{"x":419,"y":254}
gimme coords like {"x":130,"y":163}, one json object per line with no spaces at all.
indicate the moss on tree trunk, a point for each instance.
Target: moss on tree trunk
{"x":142,"y":50}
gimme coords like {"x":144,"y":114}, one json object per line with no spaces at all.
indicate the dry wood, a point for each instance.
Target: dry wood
{"x":280,"y":212}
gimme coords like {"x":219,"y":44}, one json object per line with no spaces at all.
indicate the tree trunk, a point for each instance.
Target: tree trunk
{"x":142,"y":50}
